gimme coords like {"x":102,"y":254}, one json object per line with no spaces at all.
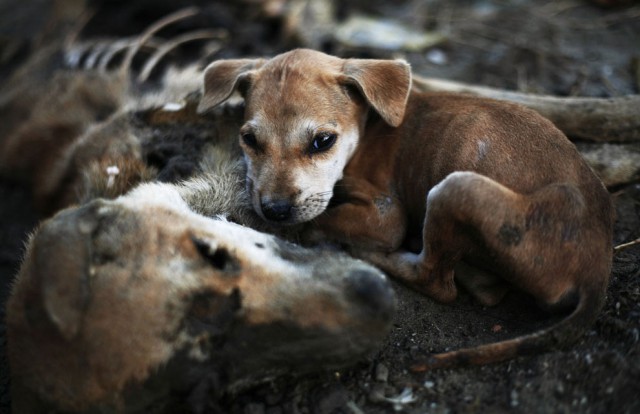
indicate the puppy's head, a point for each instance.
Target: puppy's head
{"x":305,"y":113}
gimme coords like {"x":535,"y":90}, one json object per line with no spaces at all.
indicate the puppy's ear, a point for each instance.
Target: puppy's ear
{"x":385,"y":84}
{"x":221,"y":78}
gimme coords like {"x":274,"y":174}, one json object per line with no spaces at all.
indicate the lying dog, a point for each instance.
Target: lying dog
{"x":156,"y":301}
{"x":135,"y":304}
{"x":497,"y":194}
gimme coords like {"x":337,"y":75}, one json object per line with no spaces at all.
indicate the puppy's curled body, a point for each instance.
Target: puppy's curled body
{"x":497,"y":195}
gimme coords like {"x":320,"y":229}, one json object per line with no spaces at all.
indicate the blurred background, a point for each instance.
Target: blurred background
{"x":566,"y":47}
{"x":561,"y":47}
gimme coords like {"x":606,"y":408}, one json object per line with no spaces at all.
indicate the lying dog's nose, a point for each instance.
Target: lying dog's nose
{"x":277,"y":210}
{"x":374,"y":291}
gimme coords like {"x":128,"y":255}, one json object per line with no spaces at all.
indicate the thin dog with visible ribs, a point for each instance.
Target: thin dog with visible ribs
{"x":157,"y":301}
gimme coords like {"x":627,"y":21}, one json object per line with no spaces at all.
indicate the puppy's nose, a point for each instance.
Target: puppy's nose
{"x":373,"y":291}
{"x":277,"y":210}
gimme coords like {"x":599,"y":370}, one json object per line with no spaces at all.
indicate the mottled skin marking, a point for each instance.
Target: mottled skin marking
{"x":383,"y":204}
{"x":510,"y":235}
{"x":488,"y":182}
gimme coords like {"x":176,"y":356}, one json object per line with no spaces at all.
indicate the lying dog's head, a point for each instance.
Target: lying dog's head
{"x":305,"y":113}
{"x":120,"y":304}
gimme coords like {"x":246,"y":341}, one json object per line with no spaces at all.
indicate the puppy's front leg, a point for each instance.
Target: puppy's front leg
{"x":366,"y":217}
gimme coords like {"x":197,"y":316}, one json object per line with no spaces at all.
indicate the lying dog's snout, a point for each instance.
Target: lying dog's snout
{"x":276,"y":210}
{"x":372,"y":290}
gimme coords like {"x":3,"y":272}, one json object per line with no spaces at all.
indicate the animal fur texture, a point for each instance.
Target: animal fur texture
{"x":120,"y":304}
{"x":143,"y":291}
{"x":142,"y":297}
{"x":490,"y":191}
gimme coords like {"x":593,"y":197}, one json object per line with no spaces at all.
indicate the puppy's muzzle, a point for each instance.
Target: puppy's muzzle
{"x":276,"y":210}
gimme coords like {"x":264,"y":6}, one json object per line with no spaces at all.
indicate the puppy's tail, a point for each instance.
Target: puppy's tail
{"x":590,"y":302}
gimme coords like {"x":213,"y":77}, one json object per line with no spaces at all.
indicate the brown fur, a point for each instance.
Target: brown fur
{"x":497,"y":194}
{"x":120,"y":303}
{"x":155,"y":301}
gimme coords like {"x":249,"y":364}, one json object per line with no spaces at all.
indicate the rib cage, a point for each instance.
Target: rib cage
{"x":103,"y":111}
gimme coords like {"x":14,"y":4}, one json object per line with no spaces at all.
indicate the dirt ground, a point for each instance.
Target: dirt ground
{"x":554,"y":47}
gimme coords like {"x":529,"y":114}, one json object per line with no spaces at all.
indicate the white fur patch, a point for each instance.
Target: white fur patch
{"x":214,"y":231}
{"x":173,"y":106}
{"x":155,"y":195}
{"x":442,"y":185}
{"x":316,"y":183}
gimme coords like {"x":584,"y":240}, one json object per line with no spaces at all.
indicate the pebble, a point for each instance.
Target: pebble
{"x":514,"y":398}
{"x":381,"y":373}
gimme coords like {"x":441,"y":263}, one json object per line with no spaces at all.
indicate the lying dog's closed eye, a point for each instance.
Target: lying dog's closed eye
{"x":494,"y":187}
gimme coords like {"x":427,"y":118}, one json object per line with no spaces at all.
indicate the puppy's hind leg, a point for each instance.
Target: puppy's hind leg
{"x":461,"y":209}
{"x":554,"y":243}
{"x":445,"y":239}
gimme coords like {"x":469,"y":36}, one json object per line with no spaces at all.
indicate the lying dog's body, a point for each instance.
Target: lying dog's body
{"x":135,"y":304}
{"x":510,"y":201}
{"x":156,"y":301}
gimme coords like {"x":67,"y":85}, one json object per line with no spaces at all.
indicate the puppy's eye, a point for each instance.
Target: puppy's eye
{"x":250,"y":140}
{"x":322,"y":142}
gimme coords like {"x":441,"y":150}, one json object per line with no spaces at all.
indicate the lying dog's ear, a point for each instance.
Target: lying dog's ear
{"x":221,"y":78}
{"x":61,"y":262}
{"x":385,"y":84}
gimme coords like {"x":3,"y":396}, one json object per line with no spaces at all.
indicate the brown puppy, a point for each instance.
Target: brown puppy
{"x":499,"y":196}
